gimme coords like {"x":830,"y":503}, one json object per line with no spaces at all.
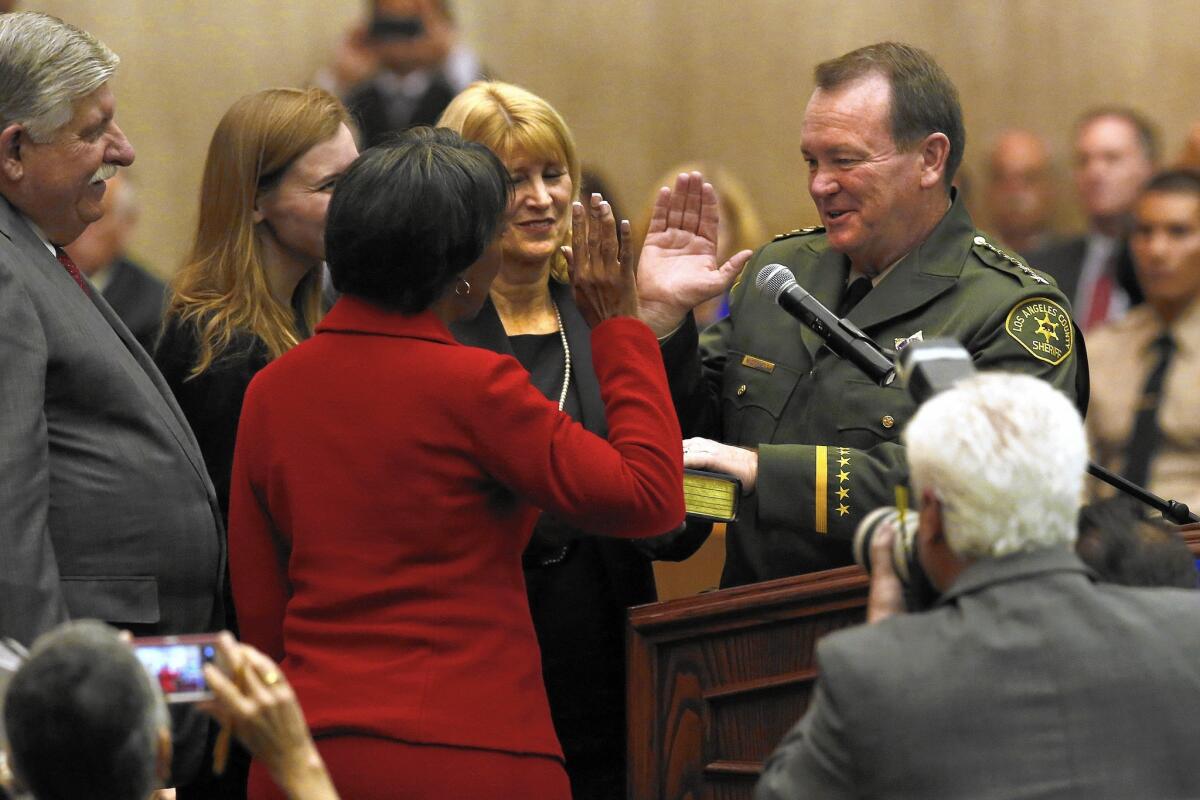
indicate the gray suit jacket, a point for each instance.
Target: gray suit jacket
{"x":106,"y":510}
{"x":1026,"y":681}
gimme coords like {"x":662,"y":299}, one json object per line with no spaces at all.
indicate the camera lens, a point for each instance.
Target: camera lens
{"x":918,"y":591}
{"x":904,"y":549}
{"x":886,"y":517}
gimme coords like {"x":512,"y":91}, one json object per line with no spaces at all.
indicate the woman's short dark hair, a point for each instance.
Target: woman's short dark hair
{"x":410,"y":215}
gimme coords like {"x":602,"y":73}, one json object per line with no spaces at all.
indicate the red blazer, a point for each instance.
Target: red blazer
{"x":385,"y":482}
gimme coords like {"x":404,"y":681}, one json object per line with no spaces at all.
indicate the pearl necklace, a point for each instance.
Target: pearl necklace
{"x":560,"y":553}
{"x":562,"y":333}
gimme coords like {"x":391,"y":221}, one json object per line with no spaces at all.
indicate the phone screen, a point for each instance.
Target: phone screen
{"x":176,"y":663}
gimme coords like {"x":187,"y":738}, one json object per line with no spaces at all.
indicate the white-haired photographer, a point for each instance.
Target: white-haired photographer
{"x":1026,"y":677}
{"x":83,"y":718}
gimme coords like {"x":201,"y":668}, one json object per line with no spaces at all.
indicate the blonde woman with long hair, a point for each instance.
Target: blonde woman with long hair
{"x":578,"y":586}
{"x":250,"y":289}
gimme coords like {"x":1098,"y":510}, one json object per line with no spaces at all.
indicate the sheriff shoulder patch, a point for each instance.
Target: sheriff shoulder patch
{"x":1043,"y":328}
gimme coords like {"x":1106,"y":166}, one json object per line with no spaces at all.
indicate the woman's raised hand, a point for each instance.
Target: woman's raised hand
{"x":601,"y":271}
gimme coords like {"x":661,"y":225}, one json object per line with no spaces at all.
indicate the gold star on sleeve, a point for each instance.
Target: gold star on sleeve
{"x":825,"y":492}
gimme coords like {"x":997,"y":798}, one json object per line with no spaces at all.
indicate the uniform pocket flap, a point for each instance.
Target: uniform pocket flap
{"x":747,"y":383}
{"x":132,"y":599}
{"x":883,"y":410}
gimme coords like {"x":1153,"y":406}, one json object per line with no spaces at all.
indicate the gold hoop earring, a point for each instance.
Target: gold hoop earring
{"x":458,"y":287}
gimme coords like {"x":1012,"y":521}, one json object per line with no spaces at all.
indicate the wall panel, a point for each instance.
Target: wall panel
{"x":647,"y":83}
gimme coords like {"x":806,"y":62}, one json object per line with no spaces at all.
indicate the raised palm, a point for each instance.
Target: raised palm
{"x":678,"y":269}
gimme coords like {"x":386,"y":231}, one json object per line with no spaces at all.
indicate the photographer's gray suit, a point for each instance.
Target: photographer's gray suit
{"x":106,"y":510}
{"x":1026,"y":681}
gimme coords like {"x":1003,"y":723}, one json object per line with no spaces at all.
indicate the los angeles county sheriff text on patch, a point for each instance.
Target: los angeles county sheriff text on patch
{"x":1043,"y":328}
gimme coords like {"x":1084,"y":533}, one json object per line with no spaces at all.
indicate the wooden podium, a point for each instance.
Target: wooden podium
{"x":716,"y":680}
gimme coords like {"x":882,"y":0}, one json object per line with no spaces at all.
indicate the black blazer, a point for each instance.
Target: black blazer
{"x":212,"y":402}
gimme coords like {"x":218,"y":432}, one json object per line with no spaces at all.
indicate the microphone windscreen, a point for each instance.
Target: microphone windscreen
{"x":773,"y":279}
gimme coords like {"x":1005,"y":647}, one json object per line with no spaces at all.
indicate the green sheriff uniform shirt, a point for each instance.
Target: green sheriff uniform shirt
{"x":828,"y":439}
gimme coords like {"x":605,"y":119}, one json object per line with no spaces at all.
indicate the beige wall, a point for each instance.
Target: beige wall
{"x":647,"y":83}
{"x":183,"y":62}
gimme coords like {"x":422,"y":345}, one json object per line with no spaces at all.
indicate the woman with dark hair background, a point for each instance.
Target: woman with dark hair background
{"x":387,"y":479}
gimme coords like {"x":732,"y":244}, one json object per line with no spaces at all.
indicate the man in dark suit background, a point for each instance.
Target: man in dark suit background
{"x":101,"y":253}
{"x":1115,"y":152}
{"x":422,"y":66}
{"x":1026,"y":679}
{"x":106,"y":510}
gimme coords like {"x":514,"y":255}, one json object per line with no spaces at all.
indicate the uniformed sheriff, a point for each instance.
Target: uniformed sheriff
{"x":815,"y":442}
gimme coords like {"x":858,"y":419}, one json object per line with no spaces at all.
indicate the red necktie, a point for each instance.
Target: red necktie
{"x":73,"y":270}
{"x":1100,"y":301}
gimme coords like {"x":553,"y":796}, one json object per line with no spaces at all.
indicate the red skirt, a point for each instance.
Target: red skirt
{"x":371,"y":768}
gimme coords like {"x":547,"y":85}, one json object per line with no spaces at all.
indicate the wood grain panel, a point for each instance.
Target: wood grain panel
{"x":716,"y":680}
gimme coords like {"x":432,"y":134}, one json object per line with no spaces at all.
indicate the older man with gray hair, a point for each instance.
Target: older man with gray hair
{"x":106,"y":510}
{"x":84,"y":719}
{"x":1027,"y":678}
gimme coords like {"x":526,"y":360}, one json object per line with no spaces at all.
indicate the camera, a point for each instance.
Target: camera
{"x":918,"y":591}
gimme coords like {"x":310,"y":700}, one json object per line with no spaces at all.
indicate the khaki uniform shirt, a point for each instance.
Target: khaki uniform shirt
{"x":1121,"y":356}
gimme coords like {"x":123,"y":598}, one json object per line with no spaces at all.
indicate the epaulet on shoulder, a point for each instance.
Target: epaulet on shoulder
{"x":799,"y":232}
{"x":993,"y":256}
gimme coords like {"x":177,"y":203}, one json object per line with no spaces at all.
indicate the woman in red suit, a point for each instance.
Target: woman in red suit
{"x":387,"y":478}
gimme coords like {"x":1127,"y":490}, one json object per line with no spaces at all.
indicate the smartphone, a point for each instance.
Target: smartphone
{"x":395,"y":27}
{"x":176,"y":663}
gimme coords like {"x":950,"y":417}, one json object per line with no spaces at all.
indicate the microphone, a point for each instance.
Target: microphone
{"x":842,"y":337}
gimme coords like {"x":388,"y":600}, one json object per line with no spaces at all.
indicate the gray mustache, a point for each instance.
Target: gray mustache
{"x":105,"y":172}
